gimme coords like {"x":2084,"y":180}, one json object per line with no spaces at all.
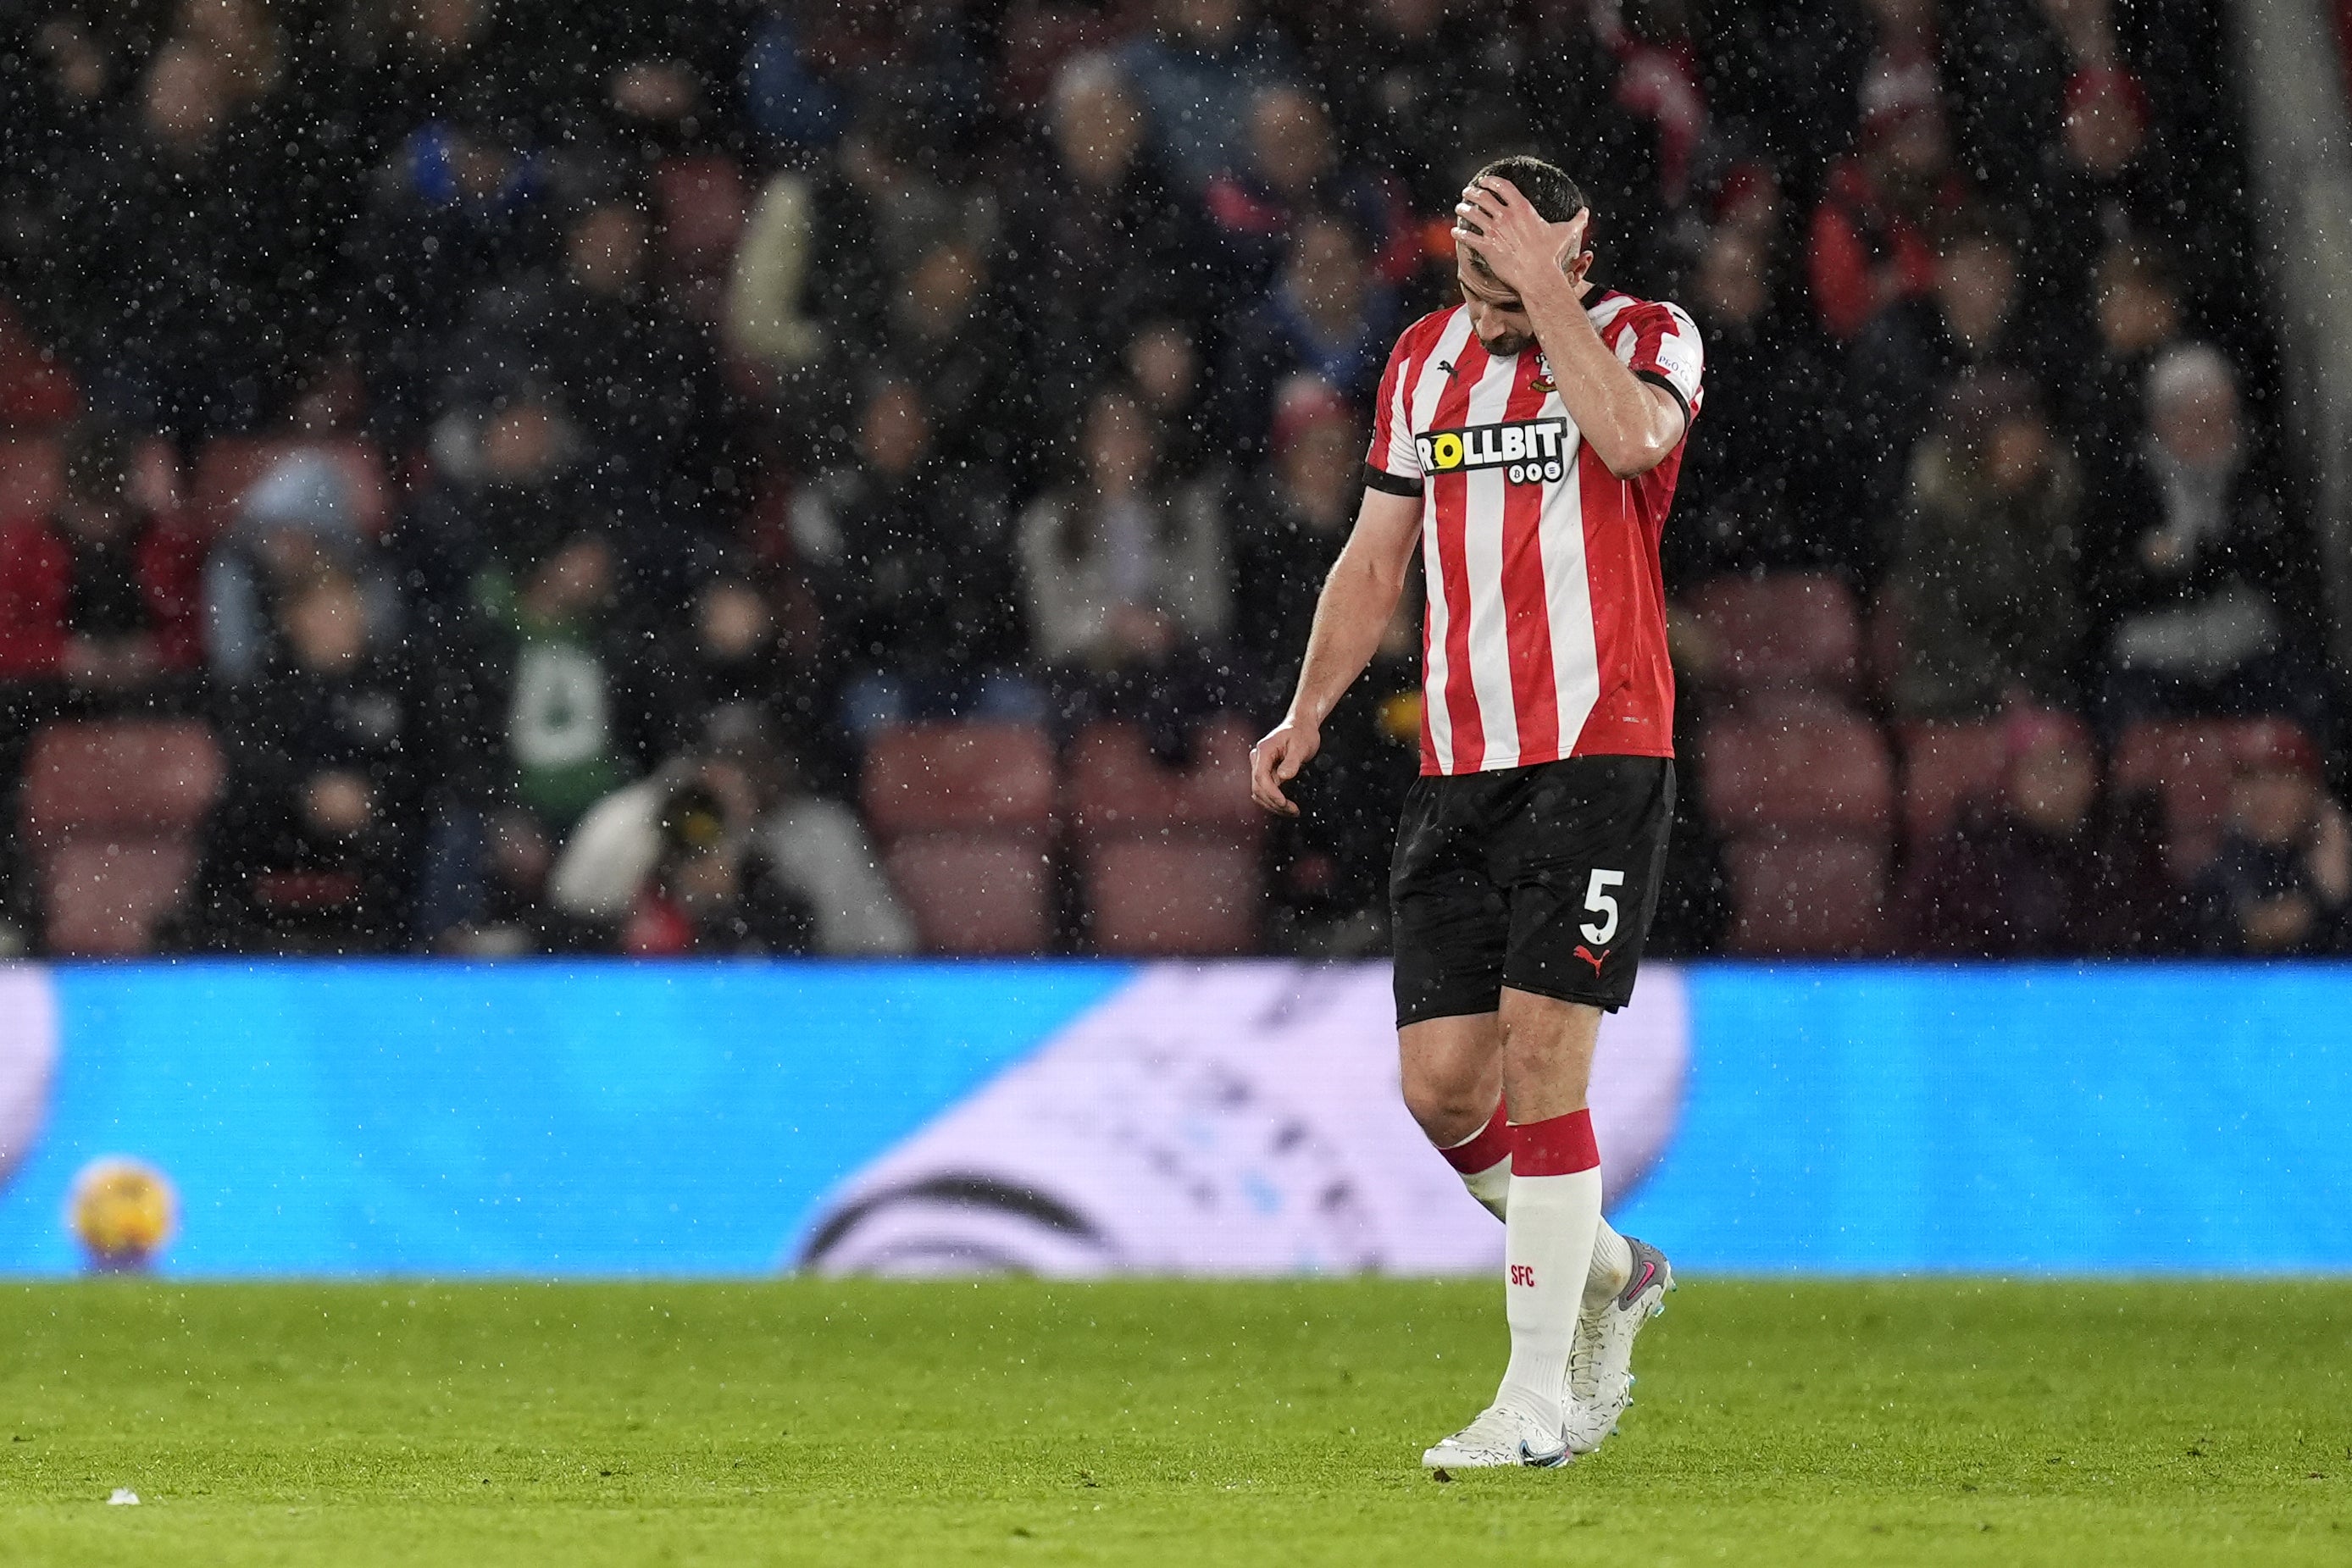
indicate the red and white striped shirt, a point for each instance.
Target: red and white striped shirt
{"x":1545,"y":634}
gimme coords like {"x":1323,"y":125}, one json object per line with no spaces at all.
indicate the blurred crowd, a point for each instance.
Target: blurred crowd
{"x":547,"y":445}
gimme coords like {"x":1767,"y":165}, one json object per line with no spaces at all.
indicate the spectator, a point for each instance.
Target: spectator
{"x":1986,"y":570}
{"x":725,"y":848}
{"x":2054,"y":863}
{"x":1754,"y":493}
{"x":2200,"y":568}
{"x":1100,"y":235}
{"x":1409,"y":90}
{"x":2107,"y":181}
{"x":429,"y":59}
{"x":912,"y":557}
{"x":1870,"y":237}
{"x":1329,"y":316}
{"x":1910,"y":354}
{"x":1164,"y":363}
{"x":507,"y":472}
{"x":311,"y":849}
{"x":1127,"y":583}
{"x":535,"y":676}
{"x":1290,"y":162}
{"x":1196,"y":71}
{"x":2282,"y":885}
{"x":297,"y":519}
{"x":731,"y":653}
{"x":460,"y":206}
{"x":99,"y":600}
{"x":1283,"y":545}
{"x":948,"y":333}
{"x":187,"y":204}
{"x":829,"y":249}
{"x":786,"y":95}
{"x":641,"y":379}
{"x":2135,"y":312}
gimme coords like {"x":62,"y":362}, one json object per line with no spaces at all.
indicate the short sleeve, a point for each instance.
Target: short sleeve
{"x":1394,"y":464}
{"x":1664,"y":350}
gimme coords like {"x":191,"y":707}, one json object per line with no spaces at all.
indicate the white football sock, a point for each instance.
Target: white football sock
{"x":1547,"y":1236}
{"x":1613,"y":1266}
{"x":1483,"y":1161}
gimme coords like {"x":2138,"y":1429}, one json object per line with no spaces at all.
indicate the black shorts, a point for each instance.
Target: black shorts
{"x":1543,"y":879}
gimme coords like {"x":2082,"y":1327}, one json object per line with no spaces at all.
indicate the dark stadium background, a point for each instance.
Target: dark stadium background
{"x":909,"y":437}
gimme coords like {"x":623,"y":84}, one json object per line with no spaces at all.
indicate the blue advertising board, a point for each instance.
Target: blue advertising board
{"x":602,"y":1119}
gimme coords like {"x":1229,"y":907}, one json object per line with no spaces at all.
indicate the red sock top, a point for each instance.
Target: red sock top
{"x":1489,"y":1146}
{"x":1562,"y":1146}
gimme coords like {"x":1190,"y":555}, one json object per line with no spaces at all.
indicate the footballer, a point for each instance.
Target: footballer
{"x":1527,"y":440}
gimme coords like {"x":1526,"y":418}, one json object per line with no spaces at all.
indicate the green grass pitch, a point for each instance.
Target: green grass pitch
{"x":1931,"y":1421}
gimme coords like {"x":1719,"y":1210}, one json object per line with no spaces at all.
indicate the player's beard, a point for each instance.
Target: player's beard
{"x":1504,"y":345}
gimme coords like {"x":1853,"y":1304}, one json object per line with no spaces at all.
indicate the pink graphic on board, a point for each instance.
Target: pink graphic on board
{"x":1226,"y":1119}
{"x":28,"y":1061}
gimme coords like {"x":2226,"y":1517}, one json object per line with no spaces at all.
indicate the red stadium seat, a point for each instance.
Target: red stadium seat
{"x":103,"y":897}
{"x":1945,"y":763}
{"x":230,"y":465}
{"x":1796,"y":763}
{"x":111,"y":811}
{"x":1794,"y":628}
{"x":2188,"y":763}
{"x":32,"y":475}
{"x":1170,"y":859}
{"x":1822,"y":895}
{"x":964,"y":813}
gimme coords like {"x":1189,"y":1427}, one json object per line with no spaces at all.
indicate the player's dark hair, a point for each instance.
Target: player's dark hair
{"x":1555,"y":197}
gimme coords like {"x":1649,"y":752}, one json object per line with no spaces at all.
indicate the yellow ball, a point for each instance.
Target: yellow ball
{"x":124,"y":1210}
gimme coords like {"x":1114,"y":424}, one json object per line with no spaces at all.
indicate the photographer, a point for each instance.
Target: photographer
{"x":723,"y":850}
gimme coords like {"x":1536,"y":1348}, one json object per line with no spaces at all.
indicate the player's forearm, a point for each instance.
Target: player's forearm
{"x":1615,"y":411}
{"x":1358,"y":599}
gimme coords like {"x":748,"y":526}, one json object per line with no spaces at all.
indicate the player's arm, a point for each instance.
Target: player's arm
{"x":1358,"y":599}
{"x":1631,"y":423}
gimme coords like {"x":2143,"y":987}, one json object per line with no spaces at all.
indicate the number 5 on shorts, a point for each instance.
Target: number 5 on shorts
{"x":1597,"y":898}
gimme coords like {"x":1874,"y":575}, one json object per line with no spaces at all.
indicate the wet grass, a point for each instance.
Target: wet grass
{"x":1931,"y":1421}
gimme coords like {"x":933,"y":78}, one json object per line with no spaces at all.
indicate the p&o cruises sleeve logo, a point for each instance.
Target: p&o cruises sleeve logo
{"x":1528,"y":451}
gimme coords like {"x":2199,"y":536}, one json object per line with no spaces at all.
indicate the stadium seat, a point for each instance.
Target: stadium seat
{"x":1169,"y":859}
{"x":965,"y":814}
{"x":2187,"y":764}
{"x":103,"y":897}
{"x":1791,"y":628}
{"x":1796,"y":762}
{"x":1944,"y":764}
{"x":230,"y":465}
{"x":110,"y":812}
{"x":32,"y":475}
{"x":1818,"y":895}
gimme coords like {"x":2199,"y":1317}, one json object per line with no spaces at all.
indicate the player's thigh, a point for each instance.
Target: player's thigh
{"x":1581,"y":861}
{"x":1449,"y":923}
{"x":1451,"y":1070}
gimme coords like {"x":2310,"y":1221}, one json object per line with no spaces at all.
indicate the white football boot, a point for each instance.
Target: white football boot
{"x":1600,"y":1362}
{"x":1499,"y":1438}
